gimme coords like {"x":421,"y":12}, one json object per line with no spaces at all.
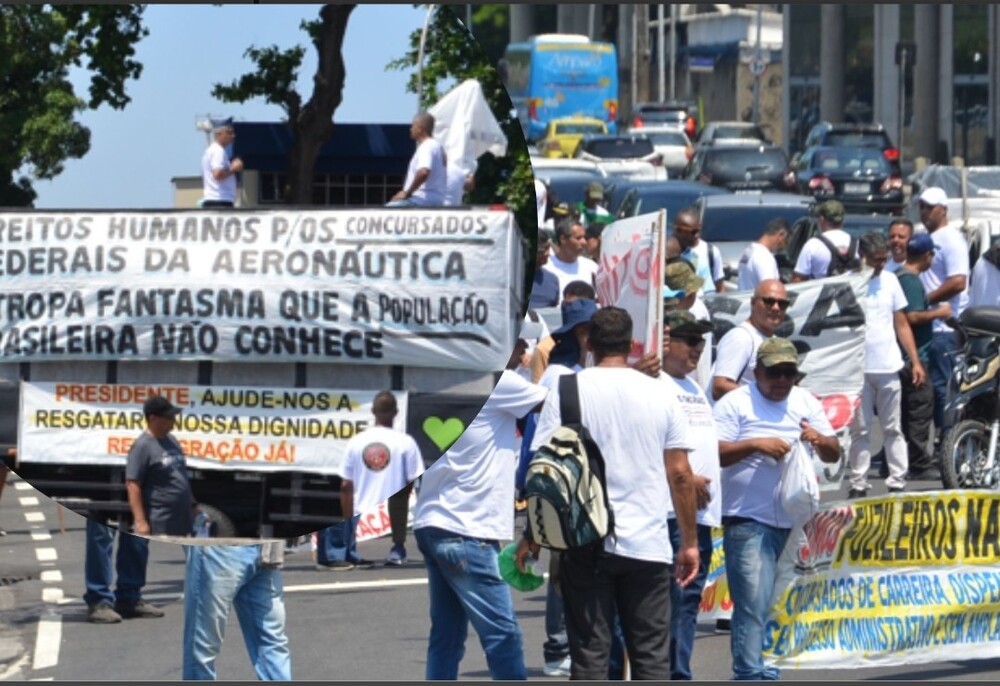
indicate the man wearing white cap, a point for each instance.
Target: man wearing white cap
{"x":945,"y":281}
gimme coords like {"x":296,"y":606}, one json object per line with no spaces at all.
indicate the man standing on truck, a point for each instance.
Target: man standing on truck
{"x":156,"y":477}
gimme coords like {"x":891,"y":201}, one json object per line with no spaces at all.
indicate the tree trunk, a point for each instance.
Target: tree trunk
{"x":312,"y":126}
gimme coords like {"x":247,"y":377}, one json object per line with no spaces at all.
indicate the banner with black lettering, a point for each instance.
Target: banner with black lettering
{"x":427,"y":288}
{"x":892,"y":580}
{"x":221,"y":427}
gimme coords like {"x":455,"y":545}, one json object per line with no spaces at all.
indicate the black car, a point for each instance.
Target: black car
{"x":570,"y":185}
{"x":825,"y":134}
{"x":682,"y":113}
{"x":642,"y":197}
{"x":860,"y":178}
{"x":742,"y":168}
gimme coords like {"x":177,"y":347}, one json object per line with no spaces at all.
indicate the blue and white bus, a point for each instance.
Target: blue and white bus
{"x":561,"y":75}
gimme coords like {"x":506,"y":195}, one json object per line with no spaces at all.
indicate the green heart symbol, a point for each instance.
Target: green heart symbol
{"x":443,"y":432}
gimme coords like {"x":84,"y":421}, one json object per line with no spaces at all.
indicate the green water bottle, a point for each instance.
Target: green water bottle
{"x":522,"y":581}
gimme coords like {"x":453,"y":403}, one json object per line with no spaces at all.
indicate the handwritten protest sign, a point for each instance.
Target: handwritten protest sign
{"x":255,"y":429}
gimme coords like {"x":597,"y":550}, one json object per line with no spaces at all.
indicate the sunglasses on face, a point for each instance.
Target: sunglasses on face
{"x":771,"y":302}
{"x":781,"y":372}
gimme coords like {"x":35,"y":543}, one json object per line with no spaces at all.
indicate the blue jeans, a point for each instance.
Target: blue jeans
{"x":556,"y":646}
{"x":941,"y":367}
{"x":336,"y":543}
{"x":465,"y":585}
{"x":752,"y":550}
{"x":218,"y":577}
{"x":130,"y":565}
{"x":684,"y":604}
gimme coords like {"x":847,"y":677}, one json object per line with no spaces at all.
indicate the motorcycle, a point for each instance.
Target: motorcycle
{"x":969,"y":447}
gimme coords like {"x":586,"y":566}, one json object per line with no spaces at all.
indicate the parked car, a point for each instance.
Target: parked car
{"x":860,"y":178}
{"x":731,"y":132}
{"x":642,"y":197}
{"x":673,"y":145}
{"x":680,"y":113}
{"x":852,"y":135}
{"x":630,"y":156}
{"x":742,"y":168}
{"x":731,"y":221}
{"x":562,"y":135}
{"x":805,"y":228}
{"x":569,"y":184}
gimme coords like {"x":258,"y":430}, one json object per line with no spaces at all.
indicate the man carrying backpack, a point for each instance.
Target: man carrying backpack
{"x":643,"y":440}
{"x":832,"y":252}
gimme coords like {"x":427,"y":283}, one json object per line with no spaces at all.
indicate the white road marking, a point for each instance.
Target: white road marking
{"x":28,"y":501}
{"x":22,"y":486}
{"x":48,"y":640}
{"x":51,"y":576}
{"x":41,"y":536}
{"x":52,"y":595}
{"x":34,"y":516}
{"x":46,"y":554}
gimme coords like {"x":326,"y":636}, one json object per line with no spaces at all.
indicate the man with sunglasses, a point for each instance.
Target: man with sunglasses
{"x":684,"y":341}
{"x":758,"y":426}
{"x":736,"y":354}
{"x":886,"y":329}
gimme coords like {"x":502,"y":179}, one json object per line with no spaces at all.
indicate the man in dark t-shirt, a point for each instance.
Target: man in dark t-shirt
{"x":159,"y":493}
{"x":918,"y":401}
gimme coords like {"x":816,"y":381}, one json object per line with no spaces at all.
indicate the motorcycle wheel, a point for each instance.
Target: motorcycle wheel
{"x":963,"y":451}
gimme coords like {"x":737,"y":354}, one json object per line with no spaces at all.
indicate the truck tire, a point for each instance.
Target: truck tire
{"x":222,"y":525}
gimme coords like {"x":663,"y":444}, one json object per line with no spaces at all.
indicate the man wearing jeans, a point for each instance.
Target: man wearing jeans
{"x":249,"y":578}
{"x":758,"y":424}
{"x":103,"y":606}
{"x":465,"y":508}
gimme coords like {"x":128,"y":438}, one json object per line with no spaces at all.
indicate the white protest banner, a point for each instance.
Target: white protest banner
{"x":891,"y":580}
{"x":826,"y":323}
{"x":222,"y":427}
{"x":630,"y":276}
{"x":430,"y":288}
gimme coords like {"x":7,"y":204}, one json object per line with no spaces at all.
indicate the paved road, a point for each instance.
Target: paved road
{"x":368,"y":624}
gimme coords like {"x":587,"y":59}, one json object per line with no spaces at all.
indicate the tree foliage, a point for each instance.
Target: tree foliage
{"x":274,"y":78}
{"x":452,"y":55}
{"x":38,"y":105}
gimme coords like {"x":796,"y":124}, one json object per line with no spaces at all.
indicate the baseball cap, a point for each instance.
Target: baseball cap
{"x":831,"y":210}
{"x":919,"y":244}
{"x":934,"y":195}
{"x":576,"y":312}
{"x":159,"y":406}
{"x":683,"y":323}
{"x":680,"y":276}
{"x":595,"y":190}
{"x":776,"y":350}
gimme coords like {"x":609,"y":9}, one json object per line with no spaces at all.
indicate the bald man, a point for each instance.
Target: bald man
{"x":426,"y":178}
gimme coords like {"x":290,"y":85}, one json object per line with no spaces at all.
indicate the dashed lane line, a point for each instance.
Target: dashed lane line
{"x":46,"y":554}
{"x":28,"y":501}
{"x":47,"y":641}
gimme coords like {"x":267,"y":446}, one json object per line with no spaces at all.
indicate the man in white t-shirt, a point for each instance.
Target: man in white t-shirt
{"x":886,"y":330}
{"x":900,"y":232}
{"x":706,"y":259}
{"x":567,"y":261}
{"x":218,"y":172}
{"x":680,"y":291}
{"x":736,"y":354}
{"x":757,"y":263}
{"x":644,"y":442}
{"x":946,"y":281}
{"x":458,"y":182}
{"x":815,"y":258}
{"x":426,"y":177}
{"x":757,"y":426}
{"x":465,"y":508}
{"x":380,"y":462}
{"x":681,"y":352}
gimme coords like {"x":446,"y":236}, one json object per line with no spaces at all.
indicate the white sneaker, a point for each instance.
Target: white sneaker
{"x":559,"y":668}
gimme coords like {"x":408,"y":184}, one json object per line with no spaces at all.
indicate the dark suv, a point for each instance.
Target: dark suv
{"x":682,"y":113}
{"x":825,"y":134}
{"x":742,"y":168}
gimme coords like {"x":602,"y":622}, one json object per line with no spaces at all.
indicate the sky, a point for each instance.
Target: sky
{"x":136,"y":151}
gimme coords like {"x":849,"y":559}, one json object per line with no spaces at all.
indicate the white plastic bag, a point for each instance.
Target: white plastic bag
{"x":799,"y":486}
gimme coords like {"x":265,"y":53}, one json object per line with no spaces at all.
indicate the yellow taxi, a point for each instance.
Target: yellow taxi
{"x":562,"y":135}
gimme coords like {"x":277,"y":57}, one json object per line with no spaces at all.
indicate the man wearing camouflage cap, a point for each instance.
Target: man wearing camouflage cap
{"x":758,"y":425}
{"x":815,"y":259}
{"x":681,"y":291}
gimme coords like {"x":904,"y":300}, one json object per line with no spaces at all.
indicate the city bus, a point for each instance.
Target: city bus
{"x":561,"y":75}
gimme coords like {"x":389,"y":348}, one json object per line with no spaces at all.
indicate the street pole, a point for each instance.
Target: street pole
{"x":902,"y":104}
{"x":759,"y":56}
{"x":420,"y":58}
{"x":661,"y":52}
{"x":673,"y":51}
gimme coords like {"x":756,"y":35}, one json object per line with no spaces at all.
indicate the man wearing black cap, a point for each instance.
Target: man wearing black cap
{"x":156,"y":478}
{"x":815,"y":260}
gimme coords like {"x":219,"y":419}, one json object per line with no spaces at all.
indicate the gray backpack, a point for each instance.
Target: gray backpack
{"x":565,"y":485}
